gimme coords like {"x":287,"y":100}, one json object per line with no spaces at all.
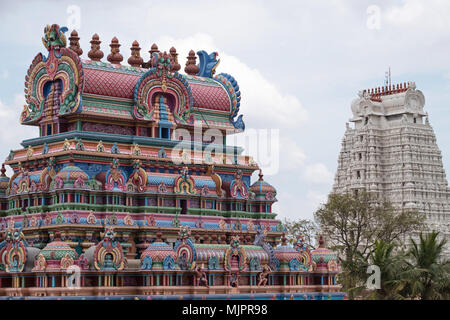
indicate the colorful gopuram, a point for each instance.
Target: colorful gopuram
{"x":130,"y":189}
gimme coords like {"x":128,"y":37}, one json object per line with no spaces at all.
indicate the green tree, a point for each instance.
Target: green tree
{"x":426,"y":276}
{"x":302,"y":227}
{"x":352,"y":223}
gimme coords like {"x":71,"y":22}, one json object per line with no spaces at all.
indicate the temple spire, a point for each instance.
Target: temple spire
{"x":260,"y":175}
{"x":153,"y":49}
{"x":321,"y":242}
{"x":74,"y":43}
{"x":174,"y":58}
{"x":191,"y":68}
{"x":115,"y":57}
{"x":135,"y":59}
{"x":95,"y":54}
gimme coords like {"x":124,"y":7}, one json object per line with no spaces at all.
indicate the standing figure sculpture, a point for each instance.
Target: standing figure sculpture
{"x":200,"y":277}
{"x":263,"y":276}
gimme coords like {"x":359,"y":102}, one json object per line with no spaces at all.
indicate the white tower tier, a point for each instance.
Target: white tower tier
{"x":392,"y":151}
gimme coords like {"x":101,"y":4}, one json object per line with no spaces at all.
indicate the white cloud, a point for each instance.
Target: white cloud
{"x":315,"y":199}
{"x":4,"y":74}
{"x":11,"y":131}
{"x":293,"y":157}
{"x":318,"y":173}
{"x":263,"y":103}
{"x":298,"y":205}
{"x":416,"y":14}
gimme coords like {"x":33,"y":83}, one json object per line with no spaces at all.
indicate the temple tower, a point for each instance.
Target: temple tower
{"x":391,"y":150}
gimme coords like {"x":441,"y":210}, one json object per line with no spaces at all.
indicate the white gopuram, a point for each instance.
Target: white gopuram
{"x":391,"y":150}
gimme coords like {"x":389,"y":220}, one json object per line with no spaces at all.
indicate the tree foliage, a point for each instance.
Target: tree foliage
{"x":426,"y":277}
{"x":353,"y":223}
{"x":302,"y":227}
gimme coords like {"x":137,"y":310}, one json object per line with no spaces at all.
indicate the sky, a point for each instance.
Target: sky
{"x":299,"y":65}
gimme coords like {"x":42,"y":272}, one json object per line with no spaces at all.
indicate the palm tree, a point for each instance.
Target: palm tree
{"x":425,"y":276}
{"x":391,"y":264}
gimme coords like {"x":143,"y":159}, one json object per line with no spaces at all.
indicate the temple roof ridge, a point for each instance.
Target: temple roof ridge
{"x":376,"y":93}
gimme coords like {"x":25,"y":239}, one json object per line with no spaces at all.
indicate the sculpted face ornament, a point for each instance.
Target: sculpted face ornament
{"x":54,"y":37}
{"x":53,"y":40}
{"x":184,"y":232}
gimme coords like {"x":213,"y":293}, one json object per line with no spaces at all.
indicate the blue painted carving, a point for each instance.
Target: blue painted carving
{"x":115,"y":148}
{"x":275,"y":264}
{"x":213,"y":263}
{"x":255,"y":264}
{"x":260,"y":240}
{"x":294,"y":265}
{"x":208,"y":63}
{"x":162,"y":153}
{"x":45,"y":149}
{"x":239,"y":123}
{"x":147,"y":263}
{"x":168,"y":263}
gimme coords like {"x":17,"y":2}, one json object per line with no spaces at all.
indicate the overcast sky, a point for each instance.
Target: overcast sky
{"x":299,"y":64}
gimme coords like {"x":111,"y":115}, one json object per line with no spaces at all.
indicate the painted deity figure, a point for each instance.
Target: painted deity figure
{"x":45,"y":149}
{"x":201,"y":278}
{"x":100,"y":146}
{"x":80,"y":145}
{"x":182,"y":261}
{"x":30,"y":151}
{"x":115,"y":148}
{"x":79,"y":183}
{"x":66,"y":145}
{"x":136,"y":150}
{"x":162,"y":188}
{"x":108,"y":262}
{"x":300,"y":244}
{"x":59,"y":183}
{"x":234,"y":280}
{"x":263,"y":276}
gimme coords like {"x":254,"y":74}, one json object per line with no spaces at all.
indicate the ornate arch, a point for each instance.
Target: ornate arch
{"x":238,"y":188}
{"x":184,"y":248}
{"x":235,"y":250}
{"x":234,"y":93}
{"x":14,"y":255}
{"x":109,"y":246}
{"x":115,"y":178}
{"x":139,"y":177}
{"x":160,"y":80}
{"x":62,"y":64}
{"x":184,"y":183}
